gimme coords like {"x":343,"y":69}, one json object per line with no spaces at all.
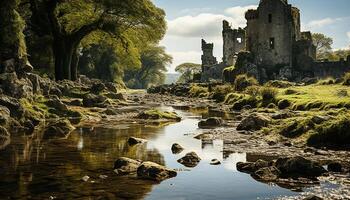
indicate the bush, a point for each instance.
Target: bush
{"x":198,"y":91}
{"x":334,"y":134}
{"x":220,"y":92}
{"x":253,"y":91}
{"x":268,"y":94}
{"x":247,"y":101}
{"x":243,"y":81}
{"x":346,"y":79}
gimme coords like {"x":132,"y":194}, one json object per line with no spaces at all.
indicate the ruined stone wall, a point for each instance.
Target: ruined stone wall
{"x":331,"y":69}
{"x":208,"y":59}
{"x":234,"y":42}
{"x":276,"y":32}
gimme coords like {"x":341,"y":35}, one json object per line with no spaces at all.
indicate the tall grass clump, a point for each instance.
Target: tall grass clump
{"x":243,"y":81}
{"x":346,"y":79}
{"x":268,"y":94}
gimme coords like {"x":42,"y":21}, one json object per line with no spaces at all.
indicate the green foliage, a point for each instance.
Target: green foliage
{"x":253,"y":91}
{"x":243,"y":81}
{"x":12,"y":41}
{"x":346,"y":79}
{"x":198,"y":91}
{"x":154,"y":61}
{"x":268,"y":94}
{"x":220,"y":92}
{"x":187,"y":71}
{"x":323,"y":44}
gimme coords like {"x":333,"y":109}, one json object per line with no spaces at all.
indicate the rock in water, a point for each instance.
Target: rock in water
{"x":85,"y":178}
{"x":190,"y":160}
{"x":254,"y":122}
{"x":335,"y":167}
{"x":299,"y":167}
{"x":176,"y":148}
{"x":153,"y":171}
{"x":124,"y":166}
{"x":210,"y":122}
{"x":58,"y":129}
{"x":134,"y":141}
{"x":215,"y":162}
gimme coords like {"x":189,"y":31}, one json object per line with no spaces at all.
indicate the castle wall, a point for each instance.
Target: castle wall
{"x":234,"y":42}
{"x":331,"y":69}
{"x":275,"y":33}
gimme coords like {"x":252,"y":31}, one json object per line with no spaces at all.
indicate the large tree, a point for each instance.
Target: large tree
{"x":70,"y":22}
{"x":323,"y":44}
{"x":154,"y":62}
{"x":187,"y":71}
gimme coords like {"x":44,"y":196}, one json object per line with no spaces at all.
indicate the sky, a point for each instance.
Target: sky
{"x":191,"y":20}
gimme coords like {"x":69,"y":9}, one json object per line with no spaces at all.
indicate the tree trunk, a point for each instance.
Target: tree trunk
{"x":74,"y":64}
{"x":63,"y":50}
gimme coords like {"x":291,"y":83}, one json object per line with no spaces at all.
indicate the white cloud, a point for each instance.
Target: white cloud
{"x":348,"y":34}
{"x":207,"y":25}
{"x":322,"y":22}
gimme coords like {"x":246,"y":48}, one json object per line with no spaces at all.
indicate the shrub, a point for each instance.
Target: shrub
{"x":253,"y":91}
{"x":197,"y":91}
{"x":334,"y":134}
{"x":243,"y":81}
{"x":247,"y":101}
{"x":268,"y":94}
{"x":346,"y":79}
{"x":220,"y":92}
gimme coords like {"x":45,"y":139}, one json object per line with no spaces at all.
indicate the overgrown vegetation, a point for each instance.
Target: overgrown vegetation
{"x":243,"y":81}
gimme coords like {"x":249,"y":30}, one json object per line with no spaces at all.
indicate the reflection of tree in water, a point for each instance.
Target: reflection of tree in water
{"x":40,"y":169}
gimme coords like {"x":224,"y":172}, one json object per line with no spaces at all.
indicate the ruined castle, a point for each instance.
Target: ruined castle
{"x":271,"y":46}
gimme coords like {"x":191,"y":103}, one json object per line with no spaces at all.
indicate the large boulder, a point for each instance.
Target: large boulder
{"x":251,"y":167}
{"x":254,"y":122}
{"x":5,"y":115}
{"x":296,"y":167}
{"x":97,"y":88}
{"x":91,"y":100}
{"x":15,"y":87}
{"x":153,"y":171}
{"x":190,"y":160}
{"x":211,"y":122}
{"x":123,"y":166}
{"x":4,"y":137}
{"x":58,"y":129}
{"x":57,"y":104}
{"x":158,"y":115}
{"x":267,"y":174}
{"x":16,"y":109}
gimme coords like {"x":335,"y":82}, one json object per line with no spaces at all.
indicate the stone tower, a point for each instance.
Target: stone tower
{"x":234,"y":42}
{"x":272,"y":30}
{"x":208,"y":60}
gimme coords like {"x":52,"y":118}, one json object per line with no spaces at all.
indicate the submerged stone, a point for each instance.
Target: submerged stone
{"x":154,"y":171}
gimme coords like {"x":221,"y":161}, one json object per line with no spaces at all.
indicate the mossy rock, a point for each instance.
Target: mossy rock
{"x":333,"y":134}
{"x":159,"y":115}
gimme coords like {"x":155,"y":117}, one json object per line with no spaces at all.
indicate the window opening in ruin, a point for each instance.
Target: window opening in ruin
{"x":270,"y":18}
{"x":272,"y":43}
{"x":239,"y":40}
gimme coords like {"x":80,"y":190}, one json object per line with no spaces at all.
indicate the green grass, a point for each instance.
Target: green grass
{"x":316,"y":97}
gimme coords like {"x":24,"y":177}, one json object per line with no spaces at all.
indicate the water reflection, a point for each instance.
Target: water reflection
{"x":33,"y":168}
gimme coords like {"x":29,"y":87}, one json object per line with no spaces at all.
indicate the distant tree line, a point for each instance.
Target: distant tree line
{"x":324,"y":50}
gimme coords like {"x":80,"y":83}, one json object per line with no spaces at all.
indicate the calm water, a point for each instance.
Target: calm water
{"x":32,"y":168}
